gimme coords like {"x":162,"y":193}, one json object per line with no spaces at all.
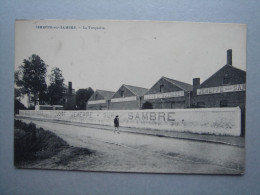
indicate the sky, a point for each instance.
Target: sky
{"x":106,"y":54}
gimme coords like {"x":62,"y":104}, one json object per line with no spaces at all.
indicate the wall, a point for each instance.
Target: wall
{"x":213,"y":100}
{"x":220,"y":121}
{"x":97,"y":106}
{"x":167,"y":103}
{"x":70,"y":102}
{"x":168,"y":87}
{"x":127,"y":92}
{"x":124,"y":105}
{"x":236,"y":77}
{"x":128,"y":105}
{"x":233,"y":99}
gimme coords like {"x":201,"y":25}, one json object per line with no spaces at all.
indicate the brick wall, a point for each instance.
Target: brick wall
{"x":127,"y":92}
{"x":167,"y":103}
{"x":70,"y":102}
{"x":97,"y":107}
{"x":213,"y":100}
{"x":236,"y":76}
{"x":129,"y":105}
{"x":168,"y":87}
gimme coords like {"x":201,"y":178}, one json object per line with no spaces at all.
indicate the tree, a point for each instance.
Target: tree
{"x":82,"y":96}
{"x":18,"y":106}
{"x":56,"y":87}
{"x":18,"y":93}
{"x":30,"y":77}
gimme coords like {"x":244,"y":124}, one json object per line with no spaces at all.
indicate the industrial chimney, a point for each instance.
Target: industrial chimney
{"x":229,"y":57}
{"x":70,"y":87}
{"x":196,"y":82}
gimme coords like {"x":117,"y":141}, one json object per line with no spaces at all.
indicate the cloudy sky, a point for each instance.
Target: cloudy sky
{"x":106,"y":54}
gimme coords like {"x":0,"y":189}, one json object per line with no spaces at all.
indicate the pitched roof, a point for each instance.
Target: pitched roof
{"x":106,"y":94}
{"x":139,"y":91}
{"x":182,"y":85}
{"x":223,"y":67}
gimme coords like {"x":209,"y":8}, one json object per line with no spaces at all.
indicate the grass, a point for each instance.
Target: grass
{"x":33,"y":144}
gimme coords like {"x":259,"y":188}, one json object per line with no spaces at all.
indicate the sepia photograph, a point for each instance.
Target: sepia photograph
{"x":130,"y":96}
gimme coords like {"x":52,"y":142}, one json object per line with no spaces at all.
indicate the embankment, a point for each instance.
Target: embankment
{"x":32,"y":145}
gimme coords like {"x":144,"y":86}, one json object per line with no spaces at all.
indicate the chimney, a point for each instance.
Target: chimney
{"x":70,"y":87}
{"x":229,"y":57}
{"x":196,"y":82}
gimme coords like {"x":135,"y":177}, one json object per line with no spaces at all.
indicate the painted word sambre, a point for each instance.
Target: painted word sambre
{"x":151,"y":116}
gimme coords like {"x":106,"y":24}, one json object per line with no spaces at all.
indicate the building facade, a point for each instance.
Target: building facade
{"x":225,"y":88}
{"x":100,"y":100}
{"x":127,"y":97}
{"x":69,"y":97}
{"x":167,"y":94}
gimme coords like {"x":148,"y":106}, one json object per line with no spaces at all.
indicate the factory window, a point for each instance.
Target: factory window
{"x":121,"y":93}
{"x":226,"y":79}
{"x":200,"y":104}
{"x":161,"y":88}
{"x":147,"y":105}
{"x":223,"y":103}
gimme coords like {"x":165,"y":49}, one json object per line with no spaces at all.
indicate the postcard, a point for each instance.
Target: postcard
{"x":130,"y":96}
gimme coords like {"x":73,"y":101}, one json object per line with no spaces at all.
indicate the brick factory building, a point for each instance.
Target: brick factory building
{"x":225,"y":88}
{"x":100,"y":100}
{"x":127,"y":97}
{"x":167,"y":94}
{"x":69,"y":97}
{"x":66,"y":102}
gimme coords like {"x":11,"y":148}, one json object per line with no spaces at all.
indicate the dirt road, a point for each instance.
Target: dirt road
{"x":128,"y":152}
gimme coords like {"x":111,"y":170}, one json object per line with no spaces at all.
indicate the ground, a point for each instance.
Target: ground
{"x":134,"y":152}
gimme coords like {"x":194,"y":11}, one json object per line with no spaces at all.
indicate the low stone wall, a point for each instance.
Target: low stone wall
{"x":219,"y":121}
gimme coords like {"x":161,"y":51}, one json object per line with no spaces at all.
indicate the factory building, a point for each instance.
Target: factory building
{"x":167,"y":94}
{"x":69,"y":97}
{"x":100,"y":100}
{"x":127,"y":97}
{"x":225,"y":88}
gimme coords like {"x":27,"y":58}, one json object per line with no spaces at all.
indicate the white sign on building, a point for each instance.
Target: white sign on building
{"x":97,"y":102}
{"x":221,"y":89}
{"x":124,"y":99}
{"x":164,"y":95}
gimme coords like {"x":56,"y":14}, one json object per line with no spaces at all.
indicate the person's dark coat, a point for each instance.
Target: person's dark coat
{"x":116,"y":122}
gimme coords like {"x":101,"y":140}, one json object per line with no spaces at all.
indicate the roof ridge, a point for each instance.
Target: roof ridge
{"x":129,"y":88}
{"x":134,"y":86}
{"x":226,"y":65}
{"x":103,"y":93}
{"x":103,"y":90}
{"x":178,"y":82}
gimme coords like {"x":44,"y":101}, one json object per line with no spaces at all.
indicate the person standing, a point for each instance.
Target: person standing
{"x":116,"y":123}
